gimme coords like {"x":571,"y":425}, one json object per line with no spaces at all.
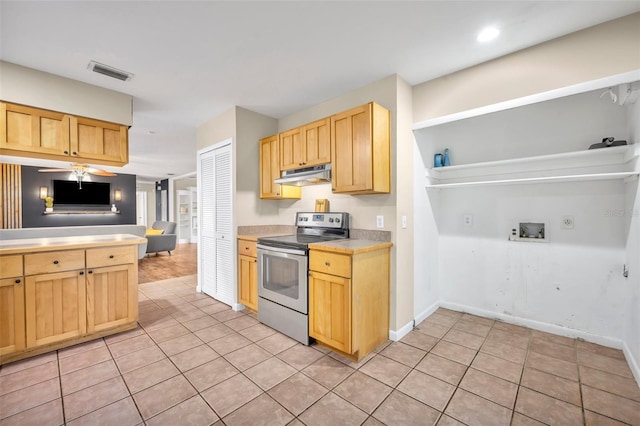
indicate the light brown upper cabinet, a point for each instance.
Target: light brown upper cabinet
{"x":38,"y":133}
{"x":270,"y":170}
{"x":307,"y":145}
{"x":99,"y":141}
{"x":34,"y":131}
{"x":361,"y":150}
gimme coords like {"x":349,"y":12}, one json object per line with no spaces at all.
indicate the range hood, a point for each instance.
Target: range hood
{"x":306,"y":176}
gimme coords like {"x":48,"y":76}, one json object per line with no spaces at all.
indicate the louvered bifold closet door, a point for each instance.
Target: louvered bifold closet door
{"x":207,"y":240}
{"x":224,"y":227}
{"x":11,"y":196}
{"x":216,"y":224}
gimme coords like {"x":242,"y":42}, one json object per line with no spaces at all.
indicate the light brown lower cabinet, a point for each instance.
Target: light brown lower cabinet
{"x":55,"y":306}
{"x":248,"y":274}
{"x":111,"y":297}
{"x":349,"y":298}
{"x":60,"y":300}
{"x":12,"y":334}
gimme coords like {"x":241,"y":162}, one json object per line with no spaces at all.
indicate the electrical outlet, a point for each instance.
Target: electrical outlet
{"x":566,"y":222}
{"x":467,"y":219}
{"x":380,"y":221}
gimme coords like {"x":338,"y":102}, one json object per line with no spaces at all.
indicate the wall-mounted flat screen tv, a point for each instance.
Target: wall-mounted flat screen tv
{"x":69,"y":192}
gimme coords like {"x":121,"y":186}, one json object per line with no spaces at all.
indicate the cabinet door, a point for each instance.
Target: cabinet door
{"x":351,"y":150}
{"x":12,"y":334}
{"x":330,"y":310}
{"x":316,"y":142}
{"x":99,"y":141}
{"x":112,"y":298}
{"x":270,"y":170}
{"x":292,"y":155}
{"x":32,"y":130}
{"x":361,"y":150}
{"x":248,"y":281}
{"x":55,"y":307}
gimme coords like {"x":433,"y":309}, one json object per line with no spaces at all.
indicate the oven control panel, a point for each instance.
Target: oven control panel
{"x":323,"y":220}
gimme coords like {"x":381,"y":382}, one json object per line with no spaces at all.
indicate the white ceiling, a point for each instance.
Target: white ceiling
{"x":195,"y":60}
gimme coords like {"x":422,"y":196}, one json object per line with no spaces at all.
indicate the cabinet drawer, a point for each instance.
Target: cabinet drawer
{"x":10,"y":266}
{"x":247,"y":248}
{"x":330,"y":263}
{"x":109,"y":256}
{"x":58,"y":261}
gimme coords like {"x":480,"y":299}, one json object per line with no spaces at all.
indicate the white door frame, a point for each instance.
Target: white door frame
{"x":141,"y":207}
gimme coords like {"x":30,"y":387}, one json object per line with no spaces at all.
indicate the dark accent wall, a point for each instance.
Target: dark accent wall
{"x":162,"y":185}
{"x":33,"y":207}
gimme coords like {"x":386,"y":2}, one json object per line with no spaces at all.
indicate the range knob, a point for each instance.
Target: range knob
{"x":331,"y":220}
{"x":306,"y":219}
{"x":337,"y":220}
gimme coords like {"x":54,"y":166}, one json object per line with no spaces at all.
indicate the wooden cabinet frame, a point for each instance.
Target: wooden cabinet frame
{"x":38,"y":133}
{"x":270,"y":170}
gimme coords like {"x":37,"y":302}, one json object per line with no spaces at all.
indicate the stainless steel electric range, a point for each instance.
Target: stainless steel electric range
{"x":283,"y":272}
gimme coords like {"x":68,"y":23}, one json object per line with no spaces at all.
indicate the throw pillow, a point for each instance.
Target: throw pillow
{"x":151,"y":231}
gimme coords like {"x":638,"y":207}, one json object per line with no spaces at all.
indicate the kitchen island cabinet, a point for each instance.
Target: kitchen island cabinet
{"x":349,"y":295}
{"x":75,"y":289}
{"x":12,"y":335}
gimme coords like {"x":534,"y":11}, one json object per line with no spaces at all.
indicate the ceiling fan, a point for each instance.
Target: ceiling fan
{"x":80,"y":171}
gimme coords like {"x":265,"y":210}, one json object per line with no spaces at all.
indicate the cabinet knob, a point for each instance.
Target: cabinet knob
{"x":81,"y":273}
{"x":66,"y":152}
{"x":55,"y":262}
{"x":110,"y":256}
{"x":74,"y":153}
{"x":327,"y":263}
{"x":89,"y":272}
{"x":246,"y":248}
{"x":278,"y":194}
{"x":18,"y":281}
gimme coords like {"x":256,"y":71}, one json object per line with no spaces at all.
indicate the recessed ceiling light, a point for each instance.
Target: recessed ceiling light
{"x":488,"y":34}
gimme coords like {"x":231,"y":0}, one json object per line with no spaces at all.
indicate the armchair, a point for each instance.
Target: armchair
{"x":162,"y":242}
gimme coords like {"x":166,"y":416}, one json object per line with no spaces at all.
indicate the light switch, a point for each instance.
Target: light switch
{"x":380,"y":221}
{"x":404,"y":221}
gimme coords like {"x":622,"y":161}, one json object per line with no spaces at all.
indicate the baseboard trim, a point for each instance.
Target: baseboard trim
{"x":397,"y":335}
{"x":425,"y":314}
{"x":537,"y":325}
{"x":633,"y":363}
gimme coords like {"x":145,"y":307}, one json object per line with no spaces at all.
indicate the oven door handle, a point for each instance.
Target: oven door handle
{"x":280,"y":250}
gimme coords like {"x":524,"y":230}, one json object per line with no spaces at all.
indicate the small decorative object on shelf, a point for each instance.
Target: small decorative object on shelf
{"x":437,"y":160}
{"x":607,"y":142}
{"x":48,"y":202}
{"x":446,"y":161}
{"x":113,"y":208}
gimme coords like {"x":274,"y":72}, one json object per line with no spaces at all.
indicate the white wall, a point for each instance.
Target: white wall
{"x":575,"y":280}
{"x":27,"y":86}
{"x":632,"y":283}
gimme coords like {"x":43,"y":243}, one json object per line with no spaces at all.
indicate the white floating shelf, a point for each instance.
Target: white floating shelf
{"x":588,"y":165}
{"x":546,"y":179}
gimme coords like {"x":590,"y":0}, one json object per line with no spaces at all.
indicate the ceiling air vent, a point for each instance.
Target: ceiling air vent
{"x":109,"y":71}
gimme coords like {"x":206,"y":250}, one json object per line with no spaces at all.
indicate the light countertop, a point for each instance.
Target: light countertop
{"x":64,"y":243}
{"x":254,"y":236}
{"x":349,"y":246}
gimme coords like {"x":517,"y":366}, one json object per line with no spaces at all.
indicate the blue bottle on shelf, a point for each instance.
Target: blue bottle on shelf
{"x":437,"y":160}
{"x":446,"y":161}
